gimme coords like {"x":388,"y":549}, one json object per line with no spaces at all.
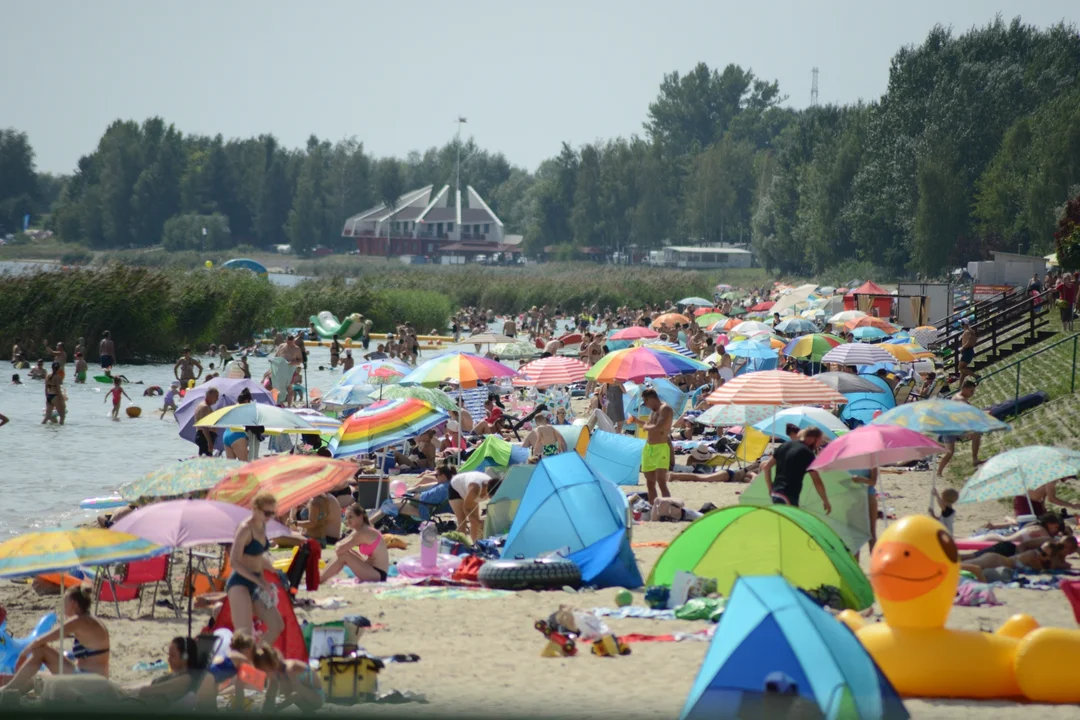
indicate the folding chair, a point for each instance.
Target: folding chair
{"x":753,"y":446}
{"x":903,"y":391}
{"x":135,"y":578}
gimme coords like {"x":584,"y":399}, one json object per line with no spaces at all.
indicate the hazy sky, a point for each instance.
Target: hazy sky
{"x":527,"y":75}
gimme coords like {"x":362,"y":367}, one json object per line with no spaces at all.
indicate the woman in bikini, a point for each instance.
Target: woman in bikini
{"x":54,"y":395}
{"x":362,"y":550}
{"x":1035,"y":560}
{"x":545,"y":440}
{"x":250,"y":594}
{"x":89,"y":651}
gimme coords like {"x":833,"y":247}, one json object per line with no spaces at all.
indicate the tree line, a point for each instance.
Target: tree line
{"x":973,"y":147}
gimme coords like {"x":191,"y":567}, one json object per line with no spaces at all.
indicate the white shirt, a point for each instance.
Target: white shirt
{"x":462,"y":482}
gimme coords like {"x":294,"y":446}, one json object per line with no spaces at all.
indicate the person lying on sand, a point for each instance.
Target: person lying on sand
{"x":186,"y":687}
{"x":737,"y":476}
{"x":292,"y":678}
{"x":1029,"y":561}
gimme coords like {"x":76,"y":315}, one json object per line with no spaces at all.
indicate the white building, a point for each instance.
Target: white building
{"x":706,"y":258}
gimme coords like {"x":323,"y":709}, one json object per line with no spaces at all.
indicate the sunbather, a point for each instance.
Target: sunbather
{"x":362,"y":550}
{"x":1028,"y":561}
{"x":182,"y":688}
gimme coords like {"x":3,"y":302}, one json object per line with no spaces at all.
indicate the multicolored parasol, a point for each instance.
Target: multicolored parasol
{"x":812,"y":347}
{"x":180,"y":478}
{"x":460,"y":368}
{"x":292,"y":479}
{"x":639,"y":363}
{"x":383,"y":424}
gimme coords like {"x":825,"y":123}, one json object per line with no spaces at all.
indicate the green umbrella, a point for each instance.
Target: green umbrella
{"x":709,"y":318}
{"x":180,"y":478}
{"x":1018,"y":472}
{"x":737,"y":310}
{"x":432,"y":396}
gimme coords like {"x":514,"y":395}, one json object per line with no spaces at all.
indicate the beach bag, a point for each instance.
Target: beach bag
{"x":667,"y":510}
{"x":347,"y":680}
{"x":469,"y":569}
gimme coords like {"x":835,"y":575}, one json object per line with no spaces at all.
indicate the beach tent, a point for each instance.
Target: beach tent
{"x":861,"y":407}
{"x":495,"y":452}
{"x":577,"y":437}
{"x":744,"y":540}
{"x":850,"y":516}
{"x":565,"y":505}
{"x":609,"y":562}
{"x":870,"y":295}
{"x":503,"y":507}
{"x":615,"y":457}
{"x":769,"y":629}
{"x":245,"y":264}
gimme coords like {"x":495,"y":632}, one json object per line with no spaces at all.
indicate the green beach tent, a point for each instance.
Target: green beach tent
{"x":744,"y":540}
{"x":850,"y":516}
{"x":494,"y":452}
{"x":504,"y":505}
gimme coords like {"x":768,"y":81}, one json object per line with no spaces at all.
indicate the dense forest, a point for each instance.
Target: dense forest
{"x":973,"y":147}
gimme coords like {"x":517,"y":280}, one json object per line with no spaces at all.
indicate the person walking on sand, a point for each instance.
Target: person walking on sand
{"x":54,"y":395}
{"x":792,"y":460}
{"x":656,"y":456}
{"x":250,"y":594}
{"x":184,"y":369}
{"x":115,"y":393}
{"x":106,"y":351}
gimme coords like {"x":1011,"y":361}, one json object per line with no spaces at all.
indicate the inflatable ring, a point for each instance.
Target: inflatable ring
{"x":531,"y":574}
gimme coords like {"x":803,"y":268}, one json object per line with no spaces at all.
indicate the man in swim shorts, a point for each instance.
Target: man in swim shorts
{"x":656,"y":456}
{"x":205,"y":438}
{"x":80,"y":368}
{"x":106,"y":351}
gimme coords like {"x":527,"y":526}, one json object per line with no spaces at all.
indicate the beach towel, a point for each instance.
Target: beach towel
{"x":281,"y":374}
{"x":632,"y":611}
{"x":975,"y":594}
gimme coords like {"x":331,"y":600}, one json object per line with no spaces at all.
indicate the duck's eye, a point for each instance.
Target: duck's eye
{"x":907,"y":554}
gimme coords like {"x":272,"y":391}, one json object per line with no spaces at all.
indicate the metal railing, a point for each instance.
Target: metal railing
{"x":1026,"y":382}
{"x":1009,"y":320}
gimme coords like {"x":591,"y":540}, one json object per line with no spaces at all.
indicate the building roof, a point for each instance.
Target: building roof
{"x":695,"y":248}
{"x":477,"y":215}
{"x":441,"y":214}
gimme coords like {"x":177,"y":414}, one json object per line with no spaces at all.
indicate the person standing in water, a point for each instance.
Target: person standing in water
{"x":107,"y":351}
{"x":115,"y":393}
{"x":54,"y":395}
{"x":206,"y":438}
{"x":59,"y":355}
{"x":184,"y":369}
{"x":80,"y":368}
{"x":656,"y":457}
{"x":335,"y":352}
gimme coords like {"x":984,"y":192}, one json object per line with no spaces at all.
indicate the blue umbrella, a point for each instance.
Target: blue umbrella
{"x":797,"y":326}
{"x":941,"y":417}
{"x":750,"y":349}
{"x":868,"y":333}
{"x":668,"y":391}
{"x":347,"y":396}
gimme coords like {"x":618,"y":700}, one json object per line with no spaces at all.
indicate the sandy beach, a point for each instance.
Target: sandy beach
{"x":482,"y":656}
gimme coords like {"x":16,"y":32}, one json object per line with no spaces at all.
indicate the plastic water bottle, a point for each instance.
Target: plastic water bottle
{"x":429,"y":545}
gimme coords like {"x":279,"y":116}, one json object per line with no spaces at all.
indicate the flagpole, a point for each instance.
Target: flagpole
{"x":457,"y":142}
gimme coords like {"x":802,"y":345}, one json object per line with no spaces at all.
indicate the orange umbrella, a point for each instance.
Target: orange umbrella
{"x":293,"y":479}
{"x":670,"y":319}
{"x":703,"y":311}
{"x":870,"y":321}
{"x":775,"y":387}
{"x":901,"y":353}
{"x":732,"y":322}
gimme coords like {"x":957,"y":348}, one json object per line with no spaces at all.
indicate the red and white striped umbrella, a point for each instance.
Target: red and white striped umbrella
{"x":546,"y":372}
{"x":775,"y":387}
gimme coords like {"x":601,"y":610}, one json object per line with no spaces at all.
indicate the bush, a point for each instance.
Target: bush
{"x":76,"y":257}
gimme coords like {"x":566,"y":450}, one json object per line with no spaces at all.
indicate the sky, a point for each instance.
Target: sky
{"x":397,"y":75}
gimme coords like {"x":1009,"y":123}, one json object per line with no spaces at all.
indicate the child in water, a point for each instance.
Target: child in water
{"x":115,"y":393}
{"x":80,"y":368}
{"x":16,"y":380}
{"x":170,"y":398}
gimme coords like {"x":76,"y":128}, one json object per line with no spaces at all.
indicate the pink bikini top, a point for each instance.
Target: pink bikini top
{"x":368,"y":549}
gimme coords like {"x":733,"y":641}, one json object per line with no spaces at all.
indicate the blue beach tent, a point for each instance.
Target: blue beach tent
{"x":609,"y":563}
{"x":770,"y":629}
{"x":615,"y":457}
{"x":565,"y":505}
{"x":861,"y":407}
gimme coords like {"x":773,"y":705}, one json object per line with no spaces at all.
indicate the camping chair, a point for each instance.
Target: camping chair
{"x":753,"y":446}
{"x":514,"y":425}
{"x":903,"y":391}
{"x":134,"y":579}
{"x":434,"y":510}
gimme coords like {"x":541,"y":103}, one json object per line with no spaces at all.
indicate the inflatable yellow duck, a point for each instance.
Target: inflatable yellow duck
{"x":914,"y":571}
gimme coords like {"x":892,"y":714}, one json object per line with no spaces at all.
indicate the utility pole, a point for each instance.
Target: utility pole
{"x":457,"y":142}
{"x":813,"y":88}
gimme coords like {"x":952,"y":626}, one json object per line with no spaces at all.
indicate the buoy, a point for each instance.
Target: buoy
{"x":209,"y":264}
{"x":134,"y":411}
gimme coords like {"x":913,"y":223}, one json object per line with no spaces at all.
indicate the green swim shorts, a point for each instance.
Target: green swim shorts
{"x":655,"y":457}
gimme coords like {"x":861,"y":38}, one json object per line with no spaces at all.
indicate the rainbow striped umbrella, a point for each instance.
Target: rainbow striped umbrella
{"x":638,"y":363}
{"x":812,"y":347}
{"x":384,"y":424}
{"x":293,"y":480}
{"x":362,"y":373}
{"x":461,"y":368}
{"x":61,"y":550}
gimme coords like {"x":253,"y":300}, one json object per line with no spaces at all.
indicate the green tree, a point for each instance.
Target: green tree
{"x":19,"y":193}
{"x":201,"y":233}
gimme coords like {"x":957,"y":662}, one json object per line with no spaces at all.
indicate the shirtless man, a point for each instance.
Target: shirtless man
{"x":184,"y":369}
{"x":17,"y":354}
{"x":656,"y":457}
{"x":59,"y":355}
{"x":967,"y":390}
{"x":106,"y":351}
{"x":335,"y":352}
{"x":206,"y":437}
{"x":80,"y":347}
{"x":967,"y":349}
{"x":552,"y":347}
{"x":510,"y":328}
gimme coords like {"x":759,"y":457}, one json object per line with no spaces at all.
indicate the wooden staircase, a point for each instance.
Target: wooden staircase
{"x":1004,"y":325}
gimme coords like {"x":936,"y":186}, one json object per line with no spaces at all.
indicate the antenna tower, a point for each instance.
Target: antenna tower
{"x":813,"y":88}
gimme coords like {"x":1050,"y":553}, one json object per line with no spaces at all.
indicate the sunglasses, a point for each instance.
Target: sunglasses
{"x":269,"y":513}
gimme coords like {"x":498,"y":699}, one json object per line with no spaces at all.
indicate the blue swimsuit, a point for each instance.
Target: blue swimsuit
{"x":236,"y":579}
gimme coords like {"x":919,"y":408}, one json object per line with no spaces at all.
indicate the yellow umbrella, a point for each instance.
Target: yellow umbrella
{"x":902,"y":354}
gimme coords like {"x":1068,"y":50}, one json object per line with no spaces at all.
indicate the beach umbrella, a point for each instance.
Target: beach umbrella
{"x":941,"y":417}
{"x":292,"y":479}
{"x":872,"y":446}
{"x":803,"y":417}
{"x":775,"y":388}
{"x":639,"y":363}
{"x":515,"y":350}
{"x":229,"y":390}
{"x":845,"y":383}
{"x":919,"y":352}
{"x":731,"y":415}
{"x":722,"y":287}
{"x":925,"y":335}
{"x":869,"y":321}
{"x":731,"y":323}
{"x":750,"y":327}
{"x":461,"y":368}
{"x":270,"y":417}
{"x":868,"y":333}
{"x":709,"y":319}
{"x":432,"y":396}
{"x":554,"y":371}
{"x":1018,"y":472}
{"x":826,"y":290}
{"x":670,"y":319}
{"x":361,"y":374}
{"x":796,"y":326}
{"x":180,"y":478}
{"x":325,"y":425}
{"x":637,"y":332}
{"x":59,"y":551}
{"x":668,"y":392}
{"x":811,"y":347}
{"x":486,"y":339}
{"x":846,"y":316}
{"x":731,"y":295}
{"x":762,"y":306}
{"x":704,"y":311}
{"x":737,"y":310}
{"x":386,"y":423}
{"x":901,"y":353}
{"x":386,"y":374}
{"x":856,"y":354}
{"x":349,"y":396}
{"x":185,"y":524}
{"x":750,"y":349}
{"x":698,"y":301}
{"x":668,"y":346}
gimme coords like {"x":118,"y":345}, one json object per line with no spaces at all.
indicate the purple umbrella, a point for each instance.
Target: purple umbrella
{"x":229,"y":389}
{"x":187,"y":523}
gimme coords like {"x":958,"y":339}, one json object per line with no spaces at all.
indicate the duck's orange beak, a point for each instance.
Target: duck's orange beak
{"x":900,"y":572}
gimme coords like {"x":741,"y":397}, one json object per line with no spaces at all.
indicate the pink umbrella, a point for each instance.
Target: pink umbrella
{"x":187,"y":523}
{"x":635,"y":333}
{"x":872,"y":446}
{"x":552,"y":371}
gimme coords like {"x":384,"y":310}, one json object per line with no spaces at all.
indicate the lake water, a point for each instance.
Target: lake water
{"x":15,"y":267}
